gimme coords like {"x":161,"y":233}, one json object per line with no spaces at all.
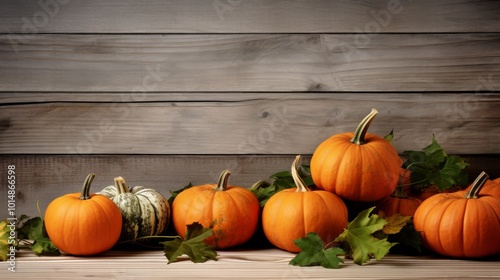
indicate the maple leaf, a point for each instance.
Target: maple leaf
{"x":358,"y":241}
{"x":193,"y":245}
{"x":313,"y":253}
{"x":394,"y":223}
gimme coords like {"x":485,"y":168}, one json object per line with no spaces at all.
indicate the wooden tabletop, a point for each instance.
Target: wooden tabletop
{"x":241,"y":264}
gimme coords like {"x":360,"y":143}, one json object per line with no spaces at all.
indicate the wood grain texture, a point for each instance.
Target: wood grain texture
{"x":44,"y":177}
{"x":271,"y":62}
{"x":247,"y":123}
{"x":256,"y":16}
{"x":252,"y":263}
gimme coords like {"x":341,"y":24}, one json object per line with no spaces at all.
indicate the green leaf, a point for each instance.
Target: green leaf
{"x":432,"y":166}
{"x":34,"y":229}
{"x":357,"y":238}
{"x":313,"y":253}
{"x":193,"y":245}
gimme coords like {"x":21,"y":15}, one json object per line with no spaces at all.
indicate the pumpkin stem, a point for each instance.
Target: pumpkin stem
{"x":477,"y":185}
{"x":222,"y":183}
{"x":120,"y":185}
{"x":399,"y":192}
{"x":360,"y":133}
{"x":301,"y":185}
{"x":85,"y":194}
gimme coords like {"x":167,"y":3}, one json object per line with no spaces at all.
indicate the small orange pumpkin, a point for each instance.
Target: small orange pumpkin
{"x":399,"y":203}
{"x":83,"y":223}
{"x":293,"y":213}
{"x":357,"y":166}
{"x":462,"y":224}
{"x":232,"y":212}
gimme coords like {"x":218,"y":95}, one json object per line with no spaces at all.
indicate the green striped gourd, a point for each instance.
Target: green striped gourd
{"x":145,"y":211}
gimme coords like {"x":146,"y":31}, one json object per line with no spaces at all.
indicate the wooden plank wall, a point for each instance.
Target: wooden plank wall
{"x":166,"y":93}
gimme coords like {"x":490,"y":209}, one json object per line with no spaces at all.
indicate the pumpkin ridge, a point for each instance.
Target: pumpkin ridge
{"x":157,"y":222}
{"x":233,"y":205}
{"x":320,"y":200}
{"x":464,"y":226}
{"x":344,"y":163}
{"x":381,"y":160}
{"x":471,"y":206}
{"x":153,"y":215}
{"x":96,"y":208}
{"x":442,"y":209}
{"x":483,"y":238}
{"x":206,"y":213}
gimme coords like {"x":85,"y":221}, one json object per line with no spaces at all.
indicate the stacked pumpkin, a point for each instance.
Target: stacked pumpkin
{"x":354,"y":166}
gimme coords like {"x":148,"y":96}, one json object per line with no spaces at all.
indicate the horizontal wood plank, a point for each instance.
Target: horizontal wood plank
{"x":228,"y":63}
{"x":245,"y":123}
{"x":44,"y":177}
{"x":224,"y":16}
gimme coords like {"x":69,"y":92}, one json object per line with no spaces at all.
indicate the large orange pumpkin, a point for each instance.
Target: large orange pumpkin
{"x":357,"y":166}
{"x":83,"y":223}
{"x":293,"y":213}
{"x":461,"y":224}
{"x":232,"y":211}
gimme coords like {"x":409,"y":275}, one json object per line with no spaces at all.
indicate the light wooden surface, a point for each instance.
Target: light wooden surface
{"x":255,"y":16}
{"x":251,"y":62}
{"x":244,"y":264}
{"x":170,"y":92}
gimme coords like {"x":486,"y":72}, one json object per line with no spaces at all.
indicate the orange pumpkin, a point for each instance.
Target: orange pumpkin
{"x":399,"y":203}
{"x":293,"y":213}
{"x":357,"y":166}
{"x":232,"y":211}
{"x":461,"y":224}
{"x":83,"y":223}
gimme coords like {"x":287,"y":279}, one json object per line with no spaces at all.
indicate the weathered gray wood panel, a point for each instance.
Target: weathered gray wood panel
{"x":240,"y":16}
{"x":247,"y":123}
{"x":45,"y":177}
{"x":276,"y":62}
{"x":171,"y":92}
